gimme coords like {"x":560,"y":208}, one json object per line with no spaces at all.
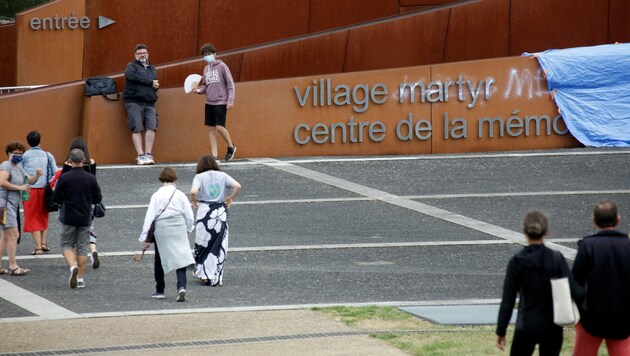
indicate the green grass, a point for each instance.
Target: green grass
{"x":428,"y":338}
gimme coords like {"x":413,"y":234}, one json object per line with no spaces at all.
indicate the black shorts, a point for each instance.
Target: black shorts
{"x":215,"y":115}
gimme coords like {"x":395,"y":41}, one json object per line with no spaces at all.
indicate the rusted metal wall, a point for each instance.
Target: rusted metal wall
{"x":174,"y":31}
{"x":557,"y":24}
{"x":49,"y":56}
{"x":619,"y":25}
{"x":168,"y":28}
{"x":7,"y":55}
{"x":267,"y":115}
{"x":328,"y":14}
{"x":55,"y":111}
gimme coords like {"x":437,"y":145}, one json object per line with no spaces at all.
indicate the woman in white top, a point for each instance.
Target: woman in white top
{"x":209,"y":193}
{"x":174,"y":220}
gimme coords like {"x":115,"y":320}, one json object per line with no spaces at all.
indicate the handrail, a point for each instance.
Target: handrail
{"x":9,"y":90}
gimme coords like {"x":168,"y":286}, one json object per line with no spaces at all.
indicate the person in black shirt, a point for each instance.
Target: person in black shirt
{"x":602,"y":267}
{"x":528,"y":275}
{"x":75,"y":192}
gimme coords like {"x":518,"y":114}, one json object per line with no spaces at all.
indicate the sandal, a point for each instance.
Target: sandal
{"x":19,"y":271}
{"x":37,"y":251}
{"x":45,"y":247}
{"x":4,"y":271}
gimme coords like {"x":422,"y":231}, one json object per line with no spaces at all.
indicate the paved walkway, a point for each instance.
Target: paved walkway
{"x":281,"y":332}
{"x":404,"y":231}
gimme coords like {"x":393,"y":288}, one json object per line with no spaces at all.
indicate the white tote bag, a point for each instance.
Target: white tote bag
{"x":565,"y":311}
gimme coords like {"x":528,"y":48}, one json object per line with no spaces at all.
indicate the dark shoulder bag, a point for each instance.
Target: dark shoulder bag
{"x":101,"y":86}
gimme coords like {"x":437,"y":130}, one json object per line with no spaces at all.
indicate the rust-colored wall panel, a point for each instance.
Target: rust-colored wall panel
{"x":406,"y":9}
{"x":324,"y":101}
{"x":410,"y":41}
{"x":317,"y":55}
{"x":57,"y":115}
{"x":505,"y":99}
{"x":470,"y":34}
{"x":426,"y":2}
{"x":557,"y":24}
{"x":173,"y":75}
{"x":230,"y":24}
{"x":619,"y":25}
{"x":49,"y":56}
{"x":168,"y":28}
{"x":7,"y":55}
{"x":329,"y":14}
{"x":182,"y":136}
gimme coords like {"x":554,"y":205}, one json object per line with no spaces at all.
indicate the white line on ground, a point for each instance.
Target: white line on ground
{"x":255,"y":161}
{"x":432,"y":196}
{"x":35,"y":304}
{"x":312,"y":247}
{"x":509,"y":235}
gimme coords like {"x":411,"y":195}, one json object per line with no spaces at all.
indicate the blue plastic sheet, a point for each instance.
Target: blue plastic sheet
{"x":591,"y":86}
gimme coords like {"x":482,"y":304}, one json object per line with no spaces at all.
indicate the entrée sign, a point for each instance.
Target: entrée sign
{"x":71,"y":22}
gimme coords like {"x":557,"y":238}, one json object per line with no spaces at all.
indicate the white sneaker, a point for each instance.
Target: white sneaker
{"x":80,"y":283}
{"x":141,"y":160}
{"x":74,"y":272}
{"x":181,"y":295}
{"x":149,"y":159}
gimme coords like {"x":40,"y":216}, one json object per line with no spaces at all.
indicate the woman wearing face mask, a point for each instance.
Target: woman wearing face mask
{"x":218,"y":85}
{"x":11,"y":188}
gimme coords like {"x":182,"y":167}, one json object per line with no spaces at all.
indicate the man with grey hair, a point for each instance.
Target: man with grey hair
{"x":75,"y":192}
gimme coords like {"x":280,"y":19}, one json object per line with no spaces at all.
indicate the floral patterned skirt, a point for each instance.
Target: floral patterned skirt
{"x":211,"y":242}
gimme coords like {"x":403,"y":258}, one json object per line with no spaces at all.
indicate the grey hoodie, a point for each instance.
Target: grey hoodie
{"x":217,"y":84}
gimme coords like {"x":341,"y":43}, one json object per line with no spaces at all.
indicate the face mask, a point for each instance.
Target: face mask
{"x":16,"y":158}
{"x":209,"y":58}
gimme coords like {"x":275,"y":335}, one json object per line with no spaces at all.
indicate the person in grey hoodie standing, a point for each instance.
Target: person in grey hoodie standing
{"x":218,"y":85}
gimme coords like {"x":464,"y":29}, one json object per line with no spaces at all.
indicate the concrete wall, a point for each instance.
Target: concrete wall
{"x":269,"y":121}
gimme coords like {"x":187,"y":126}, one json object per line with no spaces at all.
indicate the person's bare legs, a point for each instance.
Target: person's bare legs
{"x":82,"y":262}
{"x":225,"y":134}
{"x":71,"y":257}
{"x":72,"y":260}
{"x":37,"y":239}
{"x":3,"y":246}
{"x":9,"y":239}
{"x":43,"y":238}
{"x":212,"y":135}
{"x":136,"y":137}
{"x":149,"y":137}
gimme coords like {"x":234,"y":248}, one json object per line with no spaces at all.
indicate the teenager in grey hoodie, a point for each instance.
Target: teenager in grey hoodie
{"x":218,"y":85}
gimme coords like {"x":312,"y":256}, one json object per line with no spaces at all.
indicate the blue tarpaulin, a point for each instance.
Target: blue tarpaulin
{"x":591,"y":86}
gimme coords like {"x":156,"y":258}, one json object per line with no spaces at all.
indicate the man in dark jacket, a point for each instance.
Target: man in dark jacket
{"x":602,"y":266}
{"x":76,"y":191}
{"x":140,"y":94}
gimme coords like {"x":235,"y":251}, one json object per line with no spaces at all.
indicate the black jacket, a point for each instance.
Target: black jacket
{"x":76,"y":191}
{"x":528,"y":274}
{"x":139,"y":84}
{"x":602,"y":267}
